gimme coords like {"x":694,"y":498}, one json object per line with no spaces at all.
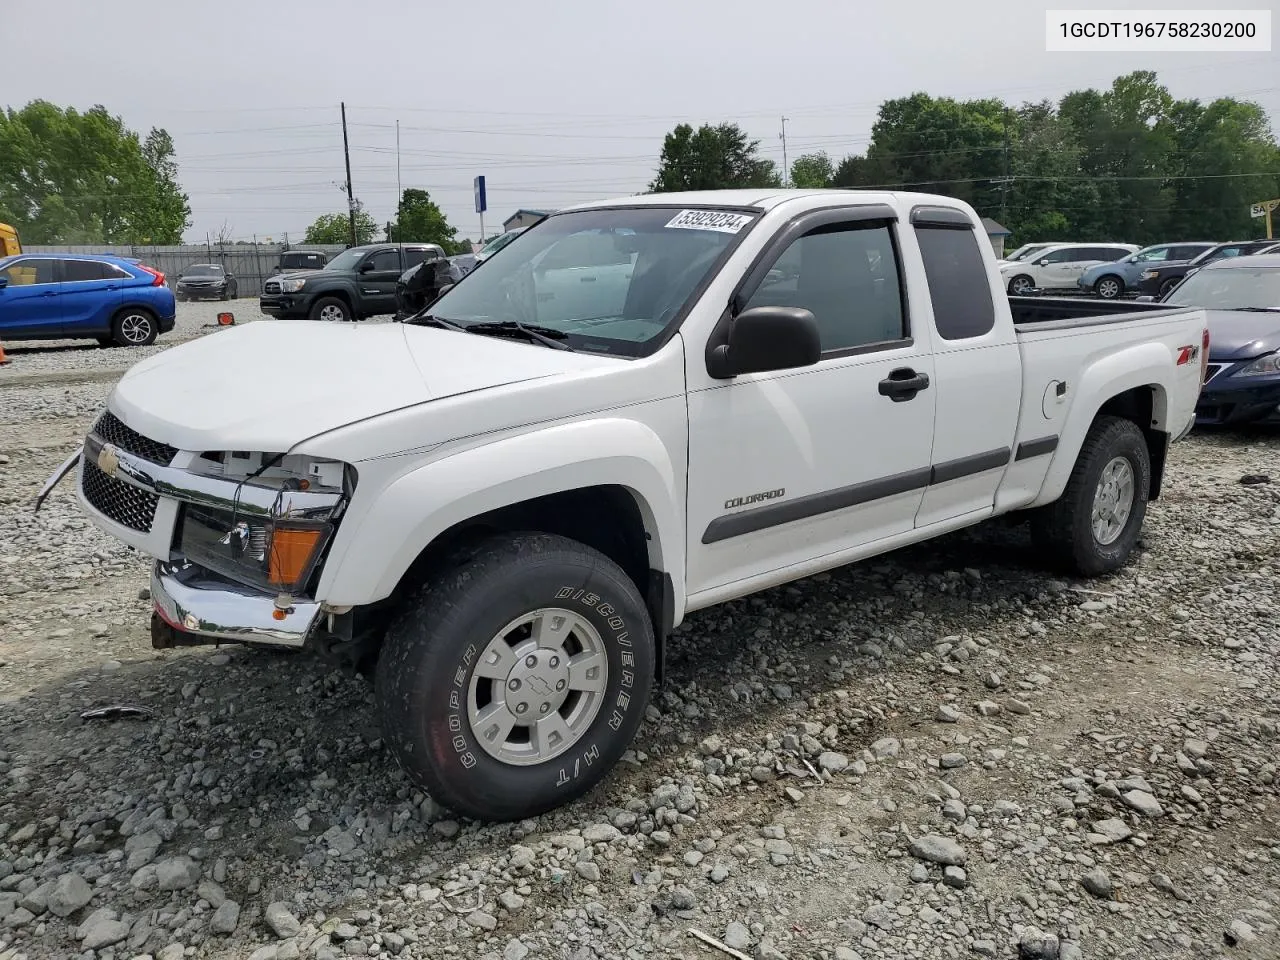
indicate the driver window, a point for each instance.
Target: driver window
{"x":1150,"y":255}
{"x":847,"y":277}
{"x":385,"y":260}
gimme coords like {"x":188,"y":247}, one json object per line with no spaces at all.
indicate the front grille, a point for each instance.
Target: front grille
{"x":271,"y":287}
{"x":125,"y":504}
{"x":112,"y":430}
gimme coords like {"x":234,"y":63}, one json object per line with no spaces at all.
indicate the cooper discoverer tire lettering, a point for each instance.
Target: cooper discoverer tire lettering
{"x":514,"y":682}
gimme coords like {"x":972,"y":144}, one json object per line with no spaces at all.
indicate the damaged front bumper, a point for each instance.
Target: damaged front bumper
{"x":193,"y":605}
{"x":192,"y":601}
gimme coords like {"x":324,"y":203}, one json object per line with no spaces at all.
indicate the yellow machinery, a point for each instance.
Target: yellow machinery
{"x":9,"y":244}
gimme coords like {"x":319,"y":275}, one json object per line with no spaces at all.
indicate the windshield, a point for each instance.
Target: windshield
{"x":612,"y":281}
{"x":1236,"y":288}
{"x":1025,"y":251}
{"x":204,"y":270}
{"x":500,"y":241}
{"x":346,"y":260}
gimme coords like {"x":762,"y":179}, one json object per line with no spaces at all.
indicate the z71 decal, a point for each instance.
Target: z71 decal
{"x":754,"y":498}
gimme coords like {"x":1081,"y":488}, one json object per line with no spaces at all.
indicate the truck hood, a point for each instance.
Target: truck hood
{"x":269,"y":385}
{"x":1242,"y":334}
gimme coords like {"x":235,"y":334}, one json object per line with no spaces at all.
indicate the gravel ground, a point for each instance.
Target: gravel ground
{"x":944,"y":753}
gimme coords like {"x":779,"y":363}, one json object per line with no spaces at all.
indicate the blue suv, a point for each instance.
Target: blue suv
{"x":1111,"y":280}
{"x":65,"y":296}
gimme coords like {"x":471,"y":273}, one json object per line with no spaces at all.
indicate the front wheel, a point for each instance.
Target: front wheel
{"x":1093,"y":527}
{"x":330,"y":309}
{"x":1167,"y":286}
{"x":1021,"y":285}
{"x":516,"y":681}
{"x":1108,"y":288}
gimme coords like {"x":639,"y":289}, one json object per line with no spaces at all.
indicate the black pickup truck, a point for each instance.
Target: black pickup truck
{"x":360,"y":282}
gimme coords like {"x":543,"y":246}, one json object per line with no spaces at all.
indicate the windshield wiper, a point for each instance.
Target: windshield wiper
{"x":547,"y":336}
{"x":1255,"y":309}
{"x":427,"y":320}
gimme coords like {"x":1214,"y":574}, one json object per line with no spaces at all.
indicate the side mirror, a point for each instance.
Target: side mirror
{"x":366,"y":267}
{"x":4,"y":282}
{"x":276,"y":268}
{"x":767,"y":338}
{"x":1042,"y":263}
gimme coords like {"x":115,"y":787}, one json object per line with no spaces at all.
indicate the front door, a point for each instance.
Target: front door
{"x":795,"y":464}
{"x":1064,"y":267}
{"x":29,"y":299}
{"x":377,"y":281}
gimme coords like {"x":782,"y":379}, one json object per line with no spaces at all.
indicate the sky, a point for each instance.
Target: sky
{"x":554,"y":103}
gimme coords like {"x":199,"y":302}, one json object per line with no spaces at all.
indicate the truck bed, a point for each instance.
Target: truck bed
{"x":1040,"y":313}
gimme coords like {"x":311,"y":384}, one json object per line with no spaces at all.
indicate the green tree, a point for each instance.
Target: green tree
{"x":72,"y":177}
{"x":336,"y":228}
{"x":1226,"y":160}
{"x":711,"y":158}
{"x":419,"y":219}
{"x":813,"y":171}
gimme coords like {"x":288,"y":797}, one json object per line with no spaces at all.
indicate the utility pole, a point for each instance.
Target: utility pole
{"x":786,"y":170}
{"x":399,"y":198}
{"x":1005,"y":180}
{"x":346,"y":153}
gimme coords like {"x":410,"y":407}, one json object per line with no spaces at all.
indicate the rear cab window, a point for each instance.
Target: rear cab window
{"x":959,"y":285}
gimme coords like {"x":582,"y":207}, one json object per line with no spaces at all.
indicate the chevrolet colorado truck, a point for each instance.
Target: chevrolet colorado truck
{"x":638,"y":409}
{"x":358,"y":283}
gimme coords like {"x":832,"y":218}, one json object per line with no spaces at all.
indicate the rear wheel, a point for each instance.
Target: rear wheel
{"x":1021,"y":285}
{"x":515,"y":681}
{"x":1093,"y":527}
{"x":330,"y":309}
{"x":134,"y":327}
{"x":1108,"y":287}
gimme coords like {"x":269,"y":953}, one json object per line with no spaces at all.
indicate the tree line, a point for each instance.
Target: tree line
{"x":71,"y":177}
{"x":1129,"y":163}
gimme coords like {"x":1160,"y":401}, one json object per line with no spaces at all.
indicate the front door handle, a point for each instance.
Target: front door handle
{"x":902,"y":384}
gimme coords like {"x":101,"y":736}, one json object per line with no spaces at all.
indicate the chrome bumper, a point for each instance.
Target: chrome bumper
{"x":190,"y":601}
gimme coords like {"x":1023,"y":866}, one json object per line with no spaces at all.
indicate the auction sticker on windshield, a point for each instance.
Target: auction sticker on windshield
{"x":716,"y":220}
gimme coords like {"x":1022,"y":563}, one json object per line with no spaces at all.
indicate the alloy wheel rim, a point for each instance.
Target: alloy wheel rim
{"x":1113,"y":501}
{"x":537,"y":686}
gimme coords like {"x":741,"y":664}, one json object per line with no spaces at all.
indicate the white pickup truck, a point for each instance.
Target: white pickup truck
{"x":508,"y":504}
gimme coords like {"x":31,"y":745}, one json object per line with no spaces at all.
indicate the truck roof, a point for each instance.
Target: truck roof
{"x":763,"y":198}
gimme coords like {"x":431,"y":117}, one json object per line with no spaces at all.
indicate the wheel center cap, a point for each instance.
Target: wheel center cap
{"x":537,"y":684}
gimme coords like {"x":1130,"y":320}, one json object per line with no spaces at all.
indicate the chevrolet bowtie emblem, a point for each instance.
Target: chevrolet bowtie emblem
{"x":108,"y":462}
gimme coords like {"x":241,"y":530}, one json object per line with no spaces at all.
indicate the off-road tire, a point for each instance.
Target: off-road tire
{"x":432,"y":650}
{"x":1064,"y":529}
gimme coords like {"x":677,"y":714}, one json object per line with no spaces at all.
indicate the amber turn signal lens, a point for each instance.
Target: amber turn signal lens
{"x":291,"y":552}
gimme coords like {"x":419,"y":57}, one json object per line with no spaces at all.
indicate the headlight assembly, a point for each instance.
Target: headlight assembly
{"x":292,"y":284}
{"x":1268,"y":366}
{"x":275,"y":549}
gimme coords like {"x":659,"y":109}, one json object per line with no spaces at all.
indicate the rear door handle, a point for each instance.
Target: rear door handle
{"x":586,"y":279}
{"x":49,"y":293}
{"x":902,"y":384}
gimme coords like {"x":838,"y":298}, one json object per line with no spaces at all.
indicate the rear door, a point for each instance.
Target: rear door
{"x":977,"y":365}
{"x":377,"y":281}
{"x":29,"y":299}
{"x":88,"y":296}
